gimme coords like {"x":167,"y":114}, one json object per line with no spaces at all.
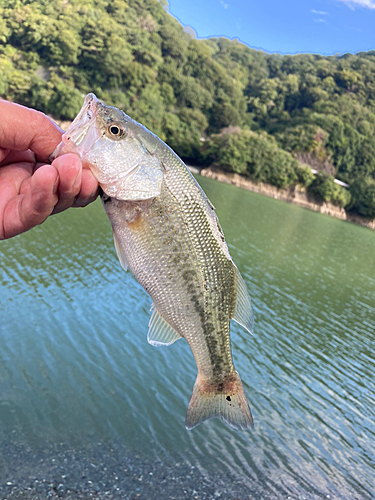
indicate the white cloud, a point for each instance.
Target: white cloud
{"x":225,"y":5}
{"x":369,"y":4}
{"x":320,"y":20}
{"x":320,"y":12}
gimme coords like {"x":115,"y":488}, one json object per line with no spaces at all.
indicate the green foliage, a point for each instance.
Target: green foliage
{"x":324,"y":187}
{"x":363,"y":194}
{"x":307,"y":138}
{"x":304,"y":175}
{"x":255,"y":155}
{"x":280,"y":110}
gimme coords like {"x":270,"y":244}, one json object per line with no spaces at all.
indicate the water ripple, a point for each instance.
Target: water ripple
{"x":75,"y":364}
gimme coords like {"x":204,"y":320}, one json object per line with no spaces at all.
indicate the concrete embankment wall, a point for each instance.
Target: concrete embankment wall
{"x":291,"y":195}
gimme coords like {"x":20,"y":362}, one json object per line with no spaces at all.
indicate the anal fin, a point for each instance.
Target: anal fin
{"x":243,"y":312}
{"x":160,"y":333}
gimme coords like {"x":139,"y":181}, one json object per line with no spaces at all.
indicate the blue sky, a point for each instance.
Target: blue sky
{"x":289,"y":26}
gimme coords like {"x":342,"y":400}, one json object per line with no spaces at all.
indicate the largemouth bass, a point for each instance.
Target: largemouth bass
{"x":166,"y":231}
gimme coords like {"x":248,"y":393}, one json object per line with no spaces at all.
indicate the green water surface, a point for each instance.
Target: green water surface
{"x":75,"y":365}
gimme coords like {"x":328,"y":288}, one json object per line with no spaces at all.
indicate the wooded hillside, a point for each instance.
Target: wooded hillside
{"x":216,"y":100}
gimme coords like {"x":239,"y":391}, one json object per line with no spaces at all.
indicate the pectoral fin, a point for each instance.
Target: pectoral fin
{"x":120,"y":252}
{"x":160,"y":333}
{"x":243,"y":312}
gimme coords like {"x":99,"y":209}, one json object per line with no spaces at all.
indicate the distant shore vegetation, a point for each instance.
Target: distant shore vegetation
{"x":269,"y":117}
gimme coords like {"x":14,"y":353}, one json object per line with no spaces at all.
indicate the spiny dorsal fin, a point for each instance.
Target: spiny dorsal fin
{"x":159,"y":332}
{"x":120,"y":252}
{"x":243,"y":312}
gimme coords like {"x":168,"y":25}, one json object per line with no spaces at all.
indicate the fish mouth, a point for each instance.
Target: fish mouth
{"x":83,"y":132}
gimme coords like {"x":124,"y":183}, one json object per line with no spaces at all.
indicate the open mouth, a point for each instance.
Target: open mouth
{"x":82,"y":133}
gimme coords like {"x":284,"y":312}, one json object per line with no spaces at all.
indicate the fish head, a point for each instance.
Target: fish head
{"x":120,"y":152}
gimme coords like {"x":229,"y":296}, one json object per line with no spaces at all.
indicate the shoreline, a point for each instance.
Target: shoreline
{"x":292,"y":195}
{"x":99,"y":471}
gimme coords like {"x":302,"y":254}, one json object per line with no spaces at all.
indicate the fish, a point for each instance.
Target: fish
{"x":167,"y":233}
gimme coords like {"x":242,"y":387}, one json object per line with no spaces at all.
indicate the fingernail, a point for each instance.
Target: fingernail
{"x":78,"y":180}
{"x":56,"y":185}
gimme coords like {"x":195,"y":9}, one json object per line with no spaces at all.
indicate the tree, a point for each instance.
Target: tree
{"x":363,"y":194}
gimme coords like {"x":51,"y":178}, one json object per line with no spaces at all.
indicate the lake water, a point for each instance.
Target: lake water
{"x":76,"y":371}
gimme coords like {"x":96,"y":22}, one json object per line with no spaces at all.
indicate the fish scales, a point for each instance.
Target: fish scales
{"x":166,"y":231}
{"x":216,"y":296}
{"x":185,"y":299}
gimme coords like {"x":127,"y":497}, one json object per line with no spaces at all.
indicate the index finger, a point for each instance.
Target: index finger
{"x":23,"y":128}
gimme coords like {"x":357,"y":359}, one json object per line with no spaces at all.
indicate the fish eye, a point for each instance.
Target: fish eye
{"x":115,"y":130}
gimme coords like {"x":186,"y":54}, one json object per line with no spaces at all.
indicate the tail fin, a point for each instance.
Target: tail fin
{"x":226,"y":400}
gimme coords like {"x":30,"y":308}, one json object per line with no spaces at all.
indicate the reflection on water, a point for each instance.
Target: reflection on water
{"x":75,"y":365}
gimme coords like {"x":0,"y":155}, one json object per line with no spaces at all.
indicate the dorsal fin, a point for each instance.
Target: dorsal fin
{"x":160,"y":333}
{"x":243,"y":312}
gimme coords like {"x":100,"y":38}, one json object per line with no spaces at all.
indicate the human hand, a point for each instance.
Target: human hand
{"x":31,"y":189}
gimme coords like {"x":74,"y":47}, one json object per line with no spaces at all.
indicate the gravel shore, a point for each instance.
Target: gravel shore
{"x":105,"y":473}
